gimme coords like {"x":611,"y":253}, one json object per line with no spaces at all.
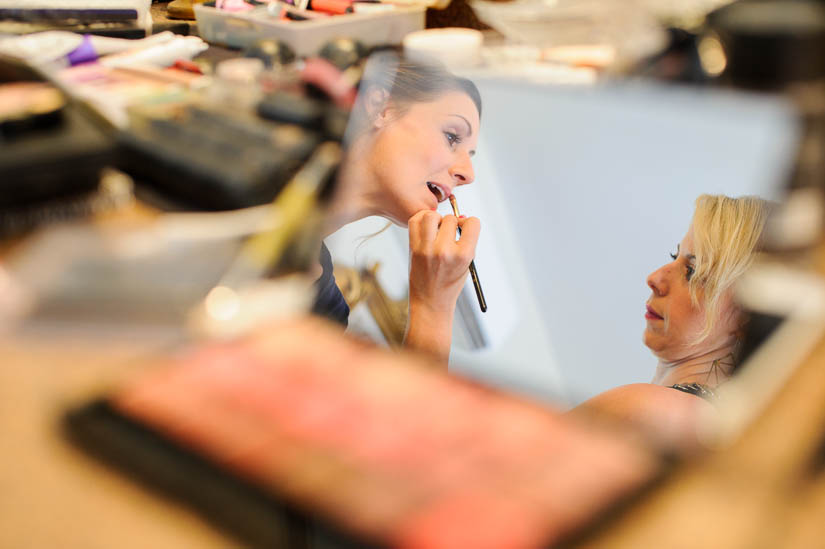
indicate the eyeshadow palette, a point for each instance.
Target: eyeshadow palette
{"x":300,"y":423}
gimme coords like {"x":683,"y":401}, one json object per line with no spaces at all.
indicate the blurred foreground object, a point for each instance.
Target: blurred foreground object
{"x":145,"y":272}
{"x":362,"y":285}
{"x":456,"y":47}
{"x":293,"y":216}
{"x":121,"y":18}
{"x":308,"y":36}
{"x":182,"y":9}
{"x":53,"y":153}
{"x":577,"y":42}
{"x":49,"y":149}
{"x":779,"y":47}
{"x":336,"y":428}
{"x":192,"y":154}
{"x":626,"y":26}
{"x":770,"y":44}
{"x":55,"y":485}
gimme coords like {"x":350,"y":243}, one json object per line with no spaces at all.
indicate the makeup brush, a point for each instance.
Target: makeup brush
{"x":482,"y":303}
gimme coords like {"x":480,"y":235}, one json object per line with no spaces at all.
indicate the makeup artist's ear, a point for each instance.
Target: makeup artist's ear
{"x":377,"y":107}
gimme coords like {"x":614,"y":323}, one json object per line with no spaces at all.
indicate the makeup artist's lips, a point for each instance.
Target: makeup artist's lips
{"x":440,"y":192}
{"x":650,"y":314}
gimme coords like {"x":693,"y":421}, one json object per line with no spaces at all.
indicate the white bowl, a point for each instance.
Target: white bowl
{"x":623,"y":24}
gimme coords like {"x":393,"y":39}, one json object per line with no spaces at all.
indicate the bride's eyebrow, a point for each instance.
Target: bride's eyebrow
{"x":469,"y":127}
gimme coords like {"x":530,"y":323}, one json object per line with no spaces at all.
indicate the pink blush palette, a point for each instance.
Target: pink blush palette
{"x":377,"y":447}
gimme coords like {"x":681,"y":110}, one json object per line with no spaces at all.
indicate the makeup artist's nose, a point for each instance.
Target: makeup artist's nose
{"x":657,"y":281}
{"x":462,"y":171}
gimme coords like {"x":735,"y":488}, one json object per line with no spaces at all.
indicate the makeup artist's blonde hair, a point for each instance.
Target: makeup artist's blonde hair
{"x":727,"y":233}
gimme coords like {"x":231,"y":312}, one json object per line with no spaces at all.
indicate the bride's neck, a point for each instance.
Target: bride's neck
{"x":356,"y":189}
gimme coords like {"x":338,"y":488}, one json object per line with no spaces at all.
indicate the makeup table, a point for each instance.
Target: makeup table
{"x":53,"y":494}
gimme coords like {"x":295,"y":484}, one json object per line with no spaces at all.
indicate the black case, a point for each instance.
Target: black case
{"x":53,"y":163}
{"x":58,"y":155}
{"x":256,"y":517}
{"x":212,"y":161}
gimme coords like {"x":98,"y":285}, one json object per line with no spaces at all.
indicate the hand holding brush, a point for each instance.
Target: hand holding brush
{"x":482,"y":303}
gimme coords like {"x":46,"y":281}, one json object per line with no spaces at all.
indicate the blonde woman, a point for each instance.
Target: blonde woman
{"x":693,"y":325}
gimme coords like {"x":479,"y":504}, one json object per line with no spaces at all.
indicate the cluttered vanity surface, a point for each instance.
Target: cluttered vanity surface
{"x":168,"y":171}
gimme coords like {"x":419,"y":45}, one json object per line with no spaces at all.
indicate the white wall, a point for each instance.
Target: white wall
{"x":582,"y":192}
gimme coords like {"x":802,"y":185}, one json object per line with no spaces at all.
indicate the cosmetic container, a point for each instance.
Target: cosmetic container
{"x":306,"y":38}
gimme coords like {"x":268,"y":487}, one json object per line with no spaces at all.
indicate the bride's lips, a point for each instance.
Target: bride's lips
{"x":650,"y":314}
{"x":440,"y":192}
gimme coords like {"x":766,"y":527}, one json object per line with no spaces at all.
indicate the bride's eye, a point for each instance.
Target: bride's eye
{"x":452,"y":138}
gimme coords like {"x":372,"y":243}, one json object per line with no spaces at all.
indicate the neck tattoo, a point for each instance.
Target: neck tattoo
{"x":720,"y":370}
{"x":711,"y":368}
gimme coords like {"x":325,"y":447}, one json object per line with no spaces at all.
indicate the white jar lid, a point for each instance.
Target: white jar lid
{"x":455,"y":47}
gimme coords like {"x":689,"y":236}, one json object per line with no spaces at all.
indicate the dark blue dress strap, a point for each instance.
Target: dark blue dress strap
{"x":329,"y":301}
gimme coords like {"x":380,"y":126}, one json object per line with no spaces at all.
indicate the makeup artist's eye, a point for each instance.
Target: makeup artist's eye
{"x":452,"y":138}
{"x":675,"y":255}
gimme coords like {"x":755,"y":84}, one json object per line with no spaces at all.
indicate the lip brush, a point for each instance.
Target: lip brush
{"x":482,"y":303}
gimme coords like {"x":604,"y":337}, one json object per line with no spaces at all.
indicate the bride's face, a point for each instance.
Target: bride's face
{"x":421,"y":154}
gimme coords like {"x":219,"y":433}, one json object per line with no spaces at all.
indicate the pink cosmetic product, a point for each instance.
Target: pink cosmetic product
{"x":233,"y":5}
{"x":339,"y":429}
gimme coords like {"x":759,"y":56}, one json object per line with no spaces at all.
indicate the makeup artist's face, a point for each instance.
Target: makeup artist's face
{"x":422,"y":153}
{"x":673,"y":322}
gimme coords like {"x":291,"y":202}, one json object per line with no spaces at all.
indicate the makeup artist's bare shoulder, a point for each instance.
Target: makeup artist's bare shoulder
{"x":669,"y":413}
{"x":638,"y":399}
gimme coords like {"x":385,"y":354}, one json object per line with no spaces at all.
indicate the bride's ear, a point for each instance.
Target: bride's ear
{"x":377,"y":107}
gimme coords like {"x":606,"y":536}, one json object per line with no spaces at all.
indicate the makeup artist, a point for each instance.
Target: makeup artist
{"x":412,"y":134}
{"x":693,"y":325}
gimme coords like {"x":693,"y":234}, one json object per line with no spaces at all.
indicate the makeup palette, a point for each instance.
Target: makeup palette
{"x":206,"y":157}
{"x":49,"y":149}
{"x":29,"y":106}
{"x":299,"y":422}
{"x":122,"y":22}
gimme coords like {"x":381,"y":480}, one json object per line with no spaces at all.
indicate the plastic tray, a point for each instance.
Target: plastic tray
{"x":307,"y":37}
